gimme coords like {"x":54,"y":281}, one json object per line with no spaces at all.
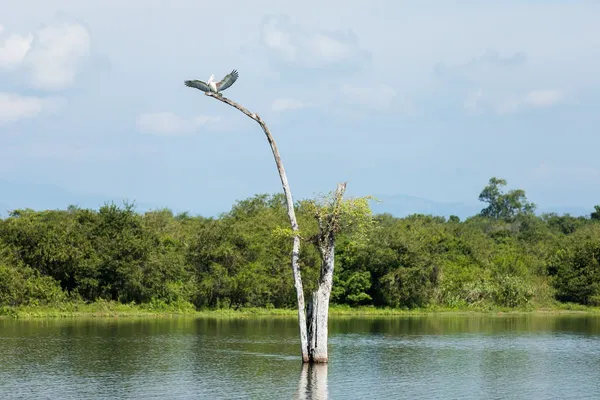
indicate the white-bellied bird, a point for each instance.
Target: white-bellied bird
{"x":212,"y":86}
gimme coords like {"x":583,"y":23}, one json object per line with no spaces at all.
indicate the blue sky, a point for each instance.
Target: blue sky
{"x":426,"y":99}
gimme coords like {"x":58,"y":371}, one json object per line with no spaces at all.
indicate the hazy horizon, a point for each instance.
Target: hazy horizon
{"x":42,"y":197}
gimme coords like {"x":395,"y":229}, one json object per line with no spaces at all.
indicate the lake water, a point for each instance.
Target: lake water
{"x":431,"y":357}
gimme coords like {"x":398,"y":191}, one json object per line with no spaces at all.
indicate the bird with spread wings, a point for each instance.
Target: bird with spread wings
{"x":211,"y":86}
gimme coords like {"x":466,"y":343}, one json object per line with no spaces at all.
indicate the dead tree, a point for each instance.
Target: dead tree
{"x":292,"y":217}
{"x":328,"y":219}
{"x":312,"y":320}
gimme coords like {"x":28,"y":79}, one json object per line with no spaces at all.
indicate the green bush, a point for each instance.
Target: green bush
{"x":575,"y":267}
{"x":512,"y":291}
{"x":24,"y":286}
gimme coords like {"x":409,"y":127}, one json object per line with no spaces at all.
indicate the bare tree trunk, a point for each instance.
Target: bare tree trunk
{"x":292,"y":218}
{"x":318,"y":308}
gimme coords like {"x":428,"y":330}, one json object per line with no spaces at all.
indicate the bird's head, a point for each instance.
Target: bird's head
{"x":212,"y":77}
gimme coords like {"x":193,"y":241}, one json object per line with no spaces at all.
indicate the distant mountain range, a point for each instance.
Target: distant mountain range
{"x":18,"y":195}
{"x":15,"y":195}
{"x":402,"y":205}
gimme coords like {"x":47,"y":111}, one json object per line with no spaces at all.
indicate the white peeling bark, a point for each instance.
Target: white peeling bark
{"x":318,"y":308}
{"x":292,"y":217}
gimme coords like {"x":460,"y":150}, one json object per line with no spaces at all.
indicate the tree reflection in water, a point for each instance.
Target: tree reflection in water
{"x":313,"y":382}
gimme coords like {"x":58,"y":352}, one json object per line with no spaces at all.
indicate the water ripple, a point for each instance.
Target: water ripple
{"x":465,"y":358}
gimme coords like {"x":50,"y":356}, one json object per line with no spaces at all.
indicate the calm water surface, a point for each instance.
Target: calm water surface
{"x":432,"y":357}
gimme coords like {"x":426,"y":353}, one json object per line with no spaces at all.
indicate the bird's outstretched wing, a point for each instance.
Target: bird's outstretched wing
{"x":228,"y":80}
{"x":198,"y":85}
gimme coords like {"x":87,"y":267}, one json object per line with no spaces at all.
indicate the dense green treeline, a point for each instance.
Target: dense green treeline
{"x":506,"y":256}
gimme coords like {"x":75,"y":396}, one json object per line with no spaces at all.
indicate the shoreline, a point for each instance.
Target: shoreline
{"x":117,"y":310}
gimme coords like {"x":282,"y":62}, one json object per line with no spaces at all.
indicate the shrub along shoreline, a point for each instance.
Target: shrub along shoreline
{"x":103,"y":309}
{"x":82,"y":261}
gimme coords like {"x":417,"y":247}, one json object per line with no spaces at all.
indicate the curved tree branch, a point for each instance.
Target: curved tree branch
{"x":291,"y":216}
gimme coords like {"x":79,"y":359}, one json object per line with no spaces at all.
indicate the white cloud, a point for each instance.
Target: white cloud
{"x":472,"y":103}
{"x":378,"y":96}
{"x":52,"y":55}
{"x":496,"y":84}
{"x":14,"y":107}
{"x":284,"y":104}
{"x":490,"y":66}
{"x":543,"y":98}
{"x":56,"y":54}
{"x":168,"y":123}
{"x":330,"y":49}
{"x":278,"y":40}
{"x":308,"y":48}
{"x":480,"y":101}
{"x":13,"y":49}
{"x":507,"y":105}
